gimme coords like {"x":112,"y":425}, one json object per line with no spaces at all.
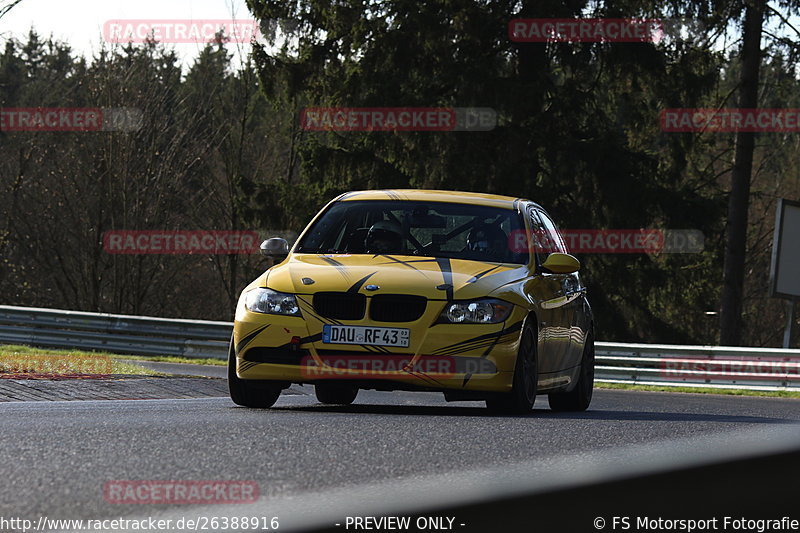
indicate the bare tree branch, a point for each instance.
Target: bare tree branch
{"x":7,"y":5}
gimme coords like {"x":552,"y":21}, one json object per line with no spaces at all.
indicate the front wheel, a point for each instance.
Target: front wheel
{"x":579,"y":398}
{"x":335,"y":393}
{"x":250,"y":393}
{"x":526,"y":376}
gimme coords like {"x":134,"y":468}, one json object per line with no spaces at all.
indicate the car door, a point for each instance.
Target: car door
{"x":558,"y":298}
{"x":575,"y":298}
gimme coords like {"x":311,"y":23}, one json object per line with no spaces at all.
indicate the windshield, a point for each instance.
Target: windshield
{"x":433,"y":229}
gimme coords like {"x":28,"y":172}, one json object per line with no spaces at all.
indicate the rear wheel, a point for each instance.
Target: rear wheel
{"x":249,"y":392}
{"x":526,"y":376}
{"x":579,"y":398}
{"x":335,"y":393}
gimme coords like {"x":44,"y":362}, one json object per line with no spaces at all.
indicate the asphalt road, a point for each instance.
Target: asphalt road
{"x":57,"y":456}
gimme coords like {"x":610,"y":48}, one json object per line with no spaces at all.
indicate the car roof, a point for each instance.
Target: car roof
{"x":456,"y":197}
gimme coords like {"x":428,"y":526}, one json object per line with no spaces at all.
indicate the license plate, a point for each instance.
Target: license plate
{"x":396,"y":337}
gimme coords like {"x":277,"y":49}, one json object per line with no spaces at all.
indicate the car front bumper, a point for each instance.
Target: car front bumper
{"x":462,"y":357}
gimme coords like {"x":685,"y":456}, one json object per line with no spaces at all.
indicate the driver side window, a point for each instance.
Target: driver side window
{"x":545,"y":237}
{"x":553,"y":235}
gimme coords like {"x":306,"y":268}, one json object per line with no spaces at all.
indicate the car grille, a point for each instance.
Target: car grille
{"x":396,"y":307}
{"x":340,"y":305}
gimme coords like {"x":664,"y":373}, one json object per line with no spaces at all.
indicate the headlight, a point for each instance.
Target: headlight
{"x":271,"y":302}
{"x":476,"y":312}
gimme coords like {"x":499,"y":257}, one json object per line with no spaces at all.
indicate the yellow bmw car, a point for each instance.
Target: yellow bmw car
{"x":473,"y":295}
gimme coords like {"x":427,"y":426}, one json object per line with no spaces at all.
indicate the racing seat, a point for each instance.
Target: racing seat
{"x":354,"y":243}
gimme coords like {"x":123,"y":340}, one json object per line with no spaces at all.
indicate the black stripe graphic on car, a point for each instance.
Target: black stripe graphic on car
{"x":471,"y":346}
{"x":358,"y":284}
{"x":484,"y":355}
{"x":380,"y":349}
{"x":476,"y":277}
{"x":488,"y":336}
{"x":315,"y":316}
{"x":246,"y":365}
{"x":466,"y":348}
{"x":413,"y":260}
{"x":371,"y":348}
{"x":487,"y":343}
{"x":447,"y":276}
{"x":404,"y":263}
{"x":333,"y":262}
{"x":248,"y":338}
{"x":424,"y":376}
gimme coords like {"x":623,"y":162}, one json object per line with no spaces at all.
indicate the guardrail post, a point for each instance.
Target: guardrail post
{"x":787,"y":334}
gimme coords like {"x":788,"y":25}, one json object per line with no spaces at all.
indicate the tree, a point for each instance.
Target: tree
{"x":739,"y":199}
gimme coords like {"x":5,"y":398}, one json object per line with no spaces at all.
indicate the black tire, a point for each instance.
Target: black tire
{"x":248,"y":392}
{"x":335,"y":393}
{"x":579,"y":398}
{"x":526,"y":376}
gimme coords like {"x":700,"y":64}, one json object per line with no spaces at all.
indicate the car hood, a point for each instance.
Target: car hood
{"x":433,"y":278}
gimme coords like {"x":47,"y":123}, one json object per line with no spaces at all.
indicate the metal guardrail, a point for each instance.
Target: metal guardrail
{"x":644,"y":364}
{"x":55,"y":328}
{"x":768,"y":369}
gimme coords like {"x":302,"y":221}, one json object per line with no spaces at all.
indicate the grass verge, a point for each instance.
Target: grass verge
{"x":698,"y":390}
{"x":173,"y":359}
{"x":30,"y":362}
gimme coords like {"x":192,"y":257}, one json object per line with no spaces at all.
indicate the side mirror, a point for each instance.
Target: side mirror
{"x":275,"y":248}
{"x":558,"y":263}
